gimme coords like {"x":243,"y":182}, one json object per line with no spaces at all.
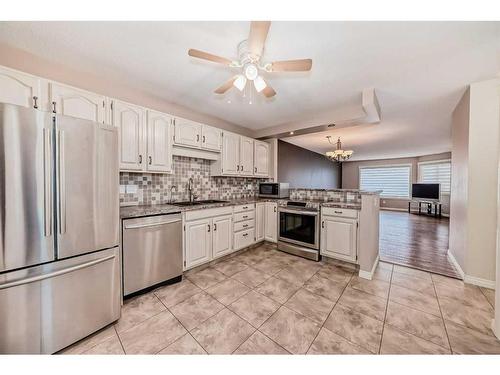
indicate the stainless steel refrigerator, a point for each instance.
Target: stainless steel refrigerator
{"x":59,"y":229}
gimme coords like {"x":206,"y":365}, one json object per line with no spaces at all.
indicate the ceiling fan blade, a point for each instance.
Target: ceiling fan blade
{"x":225,"y":86}
{"x":291,"y":66}
{"x":257,"y":37}
{"x":208,"y":56}
{"x":268,"y":92}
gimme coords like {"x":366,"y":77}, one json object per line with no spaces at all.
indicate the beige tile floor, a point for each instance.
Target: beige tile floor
{"x":263,"y":301}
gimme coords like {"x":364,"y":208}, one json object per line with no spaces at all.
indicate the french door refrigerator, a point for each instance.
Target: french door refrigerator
{"x":59,"y":229}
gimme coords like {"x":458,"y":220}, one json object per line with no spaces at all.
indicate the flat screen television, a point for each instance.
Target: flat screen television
{"x":425,"y":191}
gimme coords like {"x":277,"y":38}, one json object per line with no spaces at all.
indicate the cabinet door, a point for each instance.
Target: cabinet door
{"x":159,"y":146}
{"x":187,"y":133}
{"x":271,"y":233}
{"x":70,"y":101}
{"x":230,"y":153}
{"x":246,"y":156}
{"x":222,"y":235}
{"x":261,"y":159}
{"x":198,"y":242}
{"x":19,"y":88}
{"x":260,"y":221}
{"x":210,"y":138}
{"x":339,"y":238}
{"x":129,"y":119}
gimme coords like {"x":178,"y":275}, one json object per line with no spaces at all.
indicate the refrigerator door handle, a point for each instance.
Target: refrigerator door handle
{"x":47,"y":175}
{"x":61,"y":183}
{"x":33,"y":279}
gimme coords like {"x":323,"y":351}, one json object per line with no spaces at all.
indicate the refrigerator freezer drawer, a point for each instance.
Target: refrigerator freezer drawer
{"x":43,"y":309}
{"x":152,"y":251}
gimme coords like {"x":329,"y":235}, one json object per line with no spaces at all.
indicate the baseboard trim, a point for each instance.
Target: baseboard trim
{"x":369,"y":274}
{"x":490,"y":284}
{"x":455,"y":263}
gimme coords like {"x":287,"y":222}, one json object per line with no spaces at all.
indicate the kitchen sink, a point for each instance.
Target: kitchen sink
{"x":196,"y":203}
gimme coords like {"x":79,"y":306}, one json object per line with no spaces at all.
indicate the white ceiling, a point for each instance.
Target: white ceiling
{"x":418,"y":69}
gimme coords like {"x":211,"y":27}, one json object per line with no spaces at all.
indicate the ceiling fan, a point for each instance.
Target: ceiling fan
{"x":250,"y":52}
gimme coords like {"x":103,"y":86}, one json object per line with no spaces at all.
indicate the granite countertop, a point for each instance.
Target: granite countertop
{"x":127,"y":212}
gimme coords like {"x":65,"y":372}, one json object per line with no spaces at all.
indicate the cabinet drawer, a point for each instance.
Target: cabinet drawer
{"x":243,"y":225}
{"x":244,"y":207}
{"x":247,"y":215}
{"x":341,"y":212}
{"x":243,"y":239}
{"x":207,"y":212}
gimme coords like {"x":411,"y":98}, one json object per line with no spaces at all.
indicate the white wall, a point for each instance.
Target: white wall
{"x":475,"y":151}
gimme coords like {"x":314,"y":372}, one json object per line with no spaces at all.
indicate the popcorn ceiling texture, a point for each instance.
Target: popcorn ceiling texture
{"x":147,"y":188}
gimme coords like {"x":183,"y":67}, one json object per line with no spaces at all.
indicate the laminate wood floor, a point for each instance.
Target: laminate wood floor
{"x":416,"y":241}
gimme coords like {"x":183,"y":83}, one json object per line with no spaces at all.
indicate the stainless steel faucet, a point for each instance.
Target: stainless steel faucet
{"x":192,"y":196}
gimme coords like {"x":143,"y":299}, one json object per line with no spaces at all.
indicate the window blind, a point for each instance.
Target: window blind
{"x":394,"y":181}
{"x":436,"y":173}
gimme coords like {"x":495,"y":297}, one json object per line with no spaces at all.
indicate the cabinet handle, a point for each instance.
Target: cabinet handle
{"x":245,"y":207}
{"x":274,"y":209}
{"x":245,"y":225}
{"x":215,"y":227}
{"x":322,"y":224}
{"x":35,"y":104}
{"x":238,"y":168}
{"x":255,"y":169}
{"x":203,"y":139}
{"x":53,"y":107}
{"x":150,"y":160}
{"x":242,"y":168}
{"x":197,"y":137}
{"x":338,"y":212}
{"x":140,"y":159}
{"x":245,"y":234}
{"x":244,"y":217}
{"x":208,"y":227}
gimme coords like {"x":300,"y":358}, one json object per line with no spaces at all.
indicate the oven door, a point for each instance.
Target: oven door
{"x":299,"y":227}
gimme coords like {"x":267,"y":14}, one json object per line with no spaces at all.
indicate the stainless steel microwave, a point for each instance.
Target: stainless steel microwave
{"x":273,"y":189}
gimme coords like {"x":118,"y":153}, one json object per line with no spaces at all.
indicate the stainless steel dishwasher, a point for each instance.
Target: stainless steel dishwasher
{"x":152,"y":252}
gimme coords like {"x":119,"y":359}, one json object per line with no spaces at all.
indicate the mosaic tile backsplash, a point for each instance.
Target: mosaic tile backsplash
{"x":147,"y":188}
{"x":344,"y":196}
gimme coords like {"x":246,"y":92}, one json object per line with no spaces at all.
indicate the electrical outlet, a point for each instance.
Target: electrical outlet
{"x":132,"y":189}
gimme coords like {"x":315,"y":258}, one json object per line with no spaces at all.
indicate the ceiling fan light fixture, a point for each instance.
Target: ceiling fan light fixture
{"x":251,"y":71}
{"x":259,"y":84}
{"x":240,"y":82}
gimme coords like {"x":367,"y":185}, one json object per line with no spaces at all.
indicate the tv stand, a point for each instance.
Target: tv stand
{"x":430,"y":204}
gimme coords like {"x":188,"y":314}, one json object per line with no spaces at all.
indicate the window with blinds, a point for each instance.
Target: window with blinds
{"x":394,"y":180}
{"x":436,"y":173}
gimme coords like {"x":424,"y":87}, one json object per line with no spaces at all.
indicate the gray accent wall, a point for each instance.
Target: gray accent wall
{"x":306,"y":169}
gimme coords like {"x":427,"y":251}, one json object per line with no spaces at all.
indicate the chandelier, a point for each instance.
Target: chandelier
{"x":339,"y":154}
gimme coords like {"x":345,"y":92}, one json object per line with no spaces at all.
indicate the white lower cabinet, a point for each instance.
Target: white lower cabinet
{"x":244,"y":238}
{"x":271,"y":222}
{"x":260,"y":221}
{"x":198,"y":242}
{"x":339,"y":238}
{"x":222,"y":236}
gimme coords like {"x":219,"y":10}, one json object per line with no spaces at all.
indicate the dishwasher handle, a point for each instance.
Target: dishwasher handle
{"x":137,"y":226}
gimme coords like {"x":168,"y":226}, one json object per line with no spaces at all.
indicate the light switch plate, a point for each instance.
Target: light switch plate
{"x":123,"y":189}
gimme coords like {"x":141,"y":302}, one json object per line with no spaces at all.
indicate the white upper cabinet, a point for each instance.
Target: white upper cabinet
{"x":211,"y":138}
{"x":246,"y":156}
{"x":129,"y":119}
{"x":19,"y":88}
{"x":187,"y":133}
{"x":70,"y":101}
{"x":261,"y":158}
{"x":159,"y":145}
{"x":231,"y":154}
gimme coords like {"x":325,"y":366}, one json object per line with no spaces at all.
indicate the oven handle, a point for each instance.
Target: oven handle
{"x":309,"y":213}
